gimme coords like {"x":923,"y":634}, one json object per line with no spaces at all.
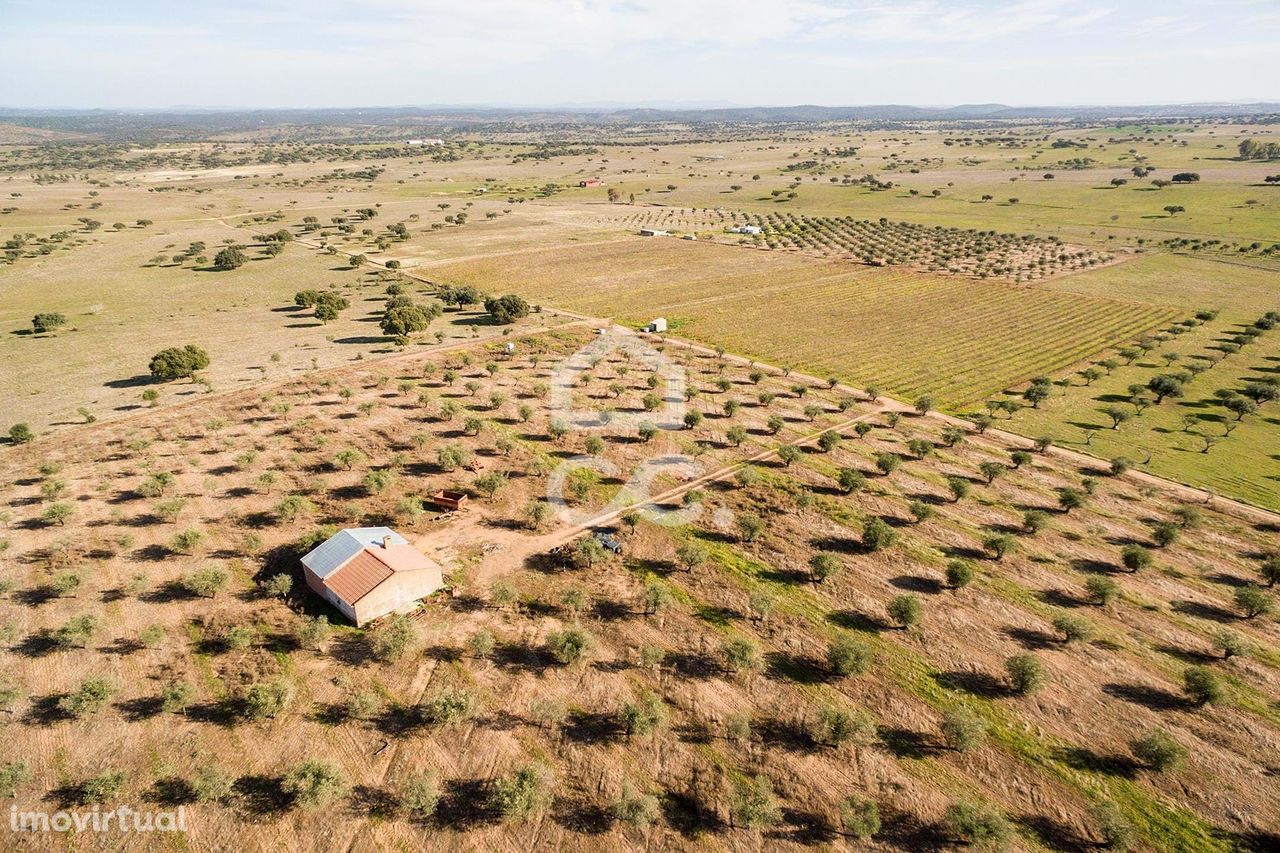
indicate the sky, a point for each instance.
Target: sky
{"x":346,"y":53}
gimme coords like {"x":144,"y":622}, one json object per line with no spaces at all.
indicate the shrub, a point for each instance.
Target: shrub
{"x":151,"y":636}
{"x":1270,"y":569}
{"x":76,"y":632}
{"x":230,"y":258}
{"x":570,"y":646}
{"x":57,"y":513}
{"x":1202,"y":685}
{"x":859,"y":818}
{"x":1035,"y":520}
{"x":206,"y":582}
{"x":904,"y":610}
{"x":211,"y":784}
{"x":240,"y":636}
{"x":65,"y":583}
{"x":921,"y":511}
{"x":420,"y":796}
{"x":156,"y":485}
{"x":992,"y":471}
{"x":1073,"y":628}
{"x":753,"y":805}
{"x":740,"y":655}
{"x":1069,"y":499}
{"x":179,"y":362}
{"x":101,"y":788}
{"x":363,"y":705}
{"x":47,"y":322}
{"x":447,"y":706}
{"x":506,"y":309}
{"x":1158,"y":750}
{"x":294,"y":507}
{"x":1117,"y":833}
{"x":523,"y":793}
{"x":1230,"y":643}
{"x":750,"y":525}
{"x":959,"y":574}
{"x":851,"y":480}
{"x":962,"y":730}
{"x":887,"y":463}
{"x":977,"y":825}
{"x":1026,"y":674}
{"x":644,"y":715}
{"x":312,"y":784}
{"x":176,"y":696}
{"x":268,"y":700}
{"x":1165,"y":533}
{"x":1102,"y":590}
{"x":89,"y":698}
{"x":634,"y":808}
{"x":393,"y":639}
{"x":187,"y":541}
{"x":999,"y":545}
{"x":848,"y":656}
{"x":1135,"y":557}
{"x":835,"y":726}
{"x":878,"y":535}
{"x":824,"y":565}
{"x":1252,"y":601}
{"x":312,"y":632}
{"x":278,"y":586}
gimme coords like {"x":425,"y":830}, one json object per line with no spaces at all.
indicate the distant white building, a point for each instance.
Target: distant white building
{"x":658,"y":325}
{"x":746,"y":229}
{"x":426,"y":142}
{"x":653,"y":232}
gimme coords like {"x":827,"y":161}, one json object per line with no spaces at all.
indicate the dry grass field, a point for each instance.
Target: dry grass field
{"x":930,"y":720}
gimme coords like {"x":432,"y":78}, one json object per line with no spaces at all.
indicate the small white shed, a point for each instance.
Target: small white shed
{"x":658,"y":325}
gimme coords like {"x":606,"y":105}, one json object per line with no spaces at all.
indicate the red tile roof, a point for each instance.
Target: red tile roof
{"x":357,"y":577}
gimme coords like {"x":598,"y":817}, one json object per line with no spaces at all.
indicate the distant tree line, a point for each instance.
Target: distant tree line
{"x":1252,"y":149}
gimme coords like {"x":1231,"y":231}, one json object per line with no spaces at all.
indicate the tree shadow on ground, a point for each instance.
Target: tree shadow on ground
{"x":1083,"y":758}
{"x":1155,"y":698}
{"x":976,"y":683}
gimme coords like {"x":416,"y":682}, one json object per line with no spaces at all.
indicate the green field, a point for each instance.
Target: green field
{"x":1244,"y":464}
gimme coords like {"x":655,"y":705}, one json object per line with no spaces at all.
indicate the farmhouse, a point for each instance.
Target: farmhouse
{"x":659,"y":324}
{"x":368,"y":572}
{"x":652,"y":232}
{"x":589,"y":182}
{"x":745,"y":229}
{"x":426,"y":142}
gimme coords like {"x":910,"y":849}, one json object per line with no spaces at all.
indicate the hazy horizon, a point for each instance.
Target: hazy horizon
{"x":598,"y":106}
{"x":529,"y":54}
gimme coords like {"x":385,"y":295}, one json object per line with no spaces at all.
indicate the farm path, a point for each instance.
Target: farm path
{"x":506,"y":549}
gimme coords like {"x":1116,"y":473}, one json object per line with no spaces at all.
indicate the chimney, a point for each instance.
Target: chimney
{"x":386,"y":541}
